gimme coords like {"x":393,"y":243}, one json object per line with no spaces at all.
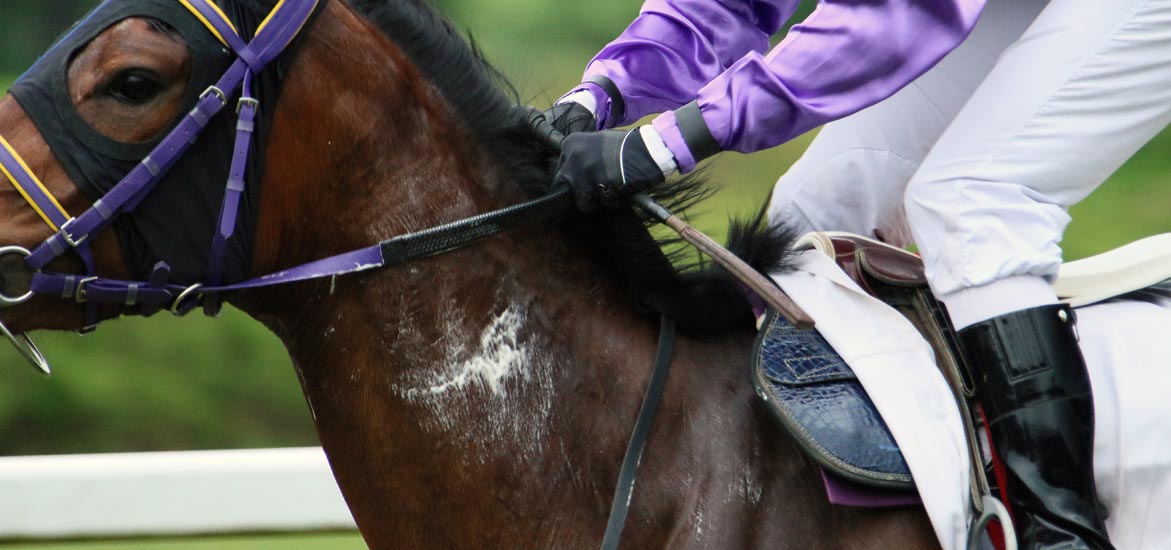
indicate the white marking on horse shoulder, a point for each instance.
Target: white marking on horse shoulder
{"x":500,"y":356}
{"x":494,"y":393}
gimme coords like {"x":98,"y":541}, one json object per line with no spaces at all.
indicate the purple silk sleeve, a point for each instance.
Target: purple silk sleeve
{"x":846,"y":56}
{"x":675,"y":47}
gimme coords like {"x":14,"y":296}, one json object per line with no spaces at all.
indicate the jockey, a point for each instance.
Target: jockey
{"x":975,"y":162}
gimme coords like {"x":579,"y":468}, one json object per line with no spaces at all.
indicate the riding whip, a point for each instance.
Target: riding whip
{"x":769,"y":292}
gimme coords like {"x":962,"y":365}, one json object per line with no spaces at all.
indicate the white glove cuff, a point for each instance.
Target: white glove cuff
{"x":582,"y":97}
{"x":658,"y":149}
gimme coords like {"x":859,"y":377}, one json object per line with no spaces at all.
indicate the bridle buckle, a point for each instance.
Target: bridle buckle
{"x":212,"y":90}
{"x":68,"y":237}
{"x":247,"y":101}
{"x":79,"y":294}
{"x":188,"y":293}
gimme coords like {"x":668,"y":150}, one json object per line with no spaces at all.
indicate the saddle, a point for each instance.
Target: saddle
{"x":816,"y":396}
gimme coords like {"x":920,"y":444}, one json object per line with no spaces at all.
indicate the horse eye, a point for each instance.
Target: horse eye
{"x":134,"y":87}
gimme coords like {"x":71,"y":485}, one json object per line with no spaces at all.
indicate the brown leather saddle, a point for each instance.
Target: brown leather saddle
{"x":896,"y":277}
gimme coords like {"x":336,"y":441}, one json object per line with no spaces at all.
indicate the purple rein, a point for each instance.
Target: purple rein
{"x":273,"y":36}
{"x":158,"y":293}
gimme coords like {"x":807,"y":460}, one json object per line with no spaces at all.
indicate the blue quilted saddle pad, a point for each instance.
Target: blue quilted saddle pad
{"x":818,"y":399}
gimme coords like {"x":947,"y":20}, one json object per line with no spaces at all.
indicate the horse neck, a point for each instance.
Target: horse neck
{"x":483,"y":399}
{"x":458,"y":382}
{"x":491,"y":378}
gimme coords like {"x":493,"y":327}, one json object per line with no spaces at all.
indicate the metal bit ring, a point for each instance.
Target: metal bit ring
{"x":10,"y":301}
{"x":27,"y":349}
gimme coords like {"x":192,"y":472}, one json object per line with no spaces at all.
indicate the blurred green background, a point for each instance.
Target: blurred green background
{"x":197,"y":383}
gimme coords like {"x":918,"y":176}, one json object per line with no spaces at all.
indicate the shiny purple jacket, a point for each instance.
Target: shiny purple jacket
{"x":847,"y":55}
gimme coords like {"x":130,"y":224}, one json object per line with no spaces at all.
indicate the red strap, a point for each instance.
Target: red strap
{"x":995,"y":530}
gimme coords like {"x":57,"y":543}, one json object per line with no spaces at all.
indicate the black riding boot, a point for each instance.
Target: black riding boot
{"x":1033,"y":384}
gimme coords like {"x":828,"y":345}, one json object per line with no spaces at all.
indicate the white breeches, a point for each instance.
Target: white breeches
{"x":977,"y":160}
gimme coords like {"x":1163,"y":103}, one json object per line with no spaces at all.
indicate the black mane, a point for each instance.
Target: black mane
{"x":704,"y":301}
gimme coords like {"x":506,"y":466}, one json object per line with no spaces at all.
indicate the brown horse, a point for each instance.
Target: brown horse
{"x":483,"y":398}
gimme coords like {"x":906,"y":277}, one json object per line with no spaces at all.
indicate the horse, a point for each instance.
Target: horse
{"x":481,"y":398}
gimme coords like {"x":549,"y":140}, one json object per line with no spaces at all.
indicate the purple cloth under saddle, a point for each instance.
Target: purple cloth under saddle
{"x":847,"y":493}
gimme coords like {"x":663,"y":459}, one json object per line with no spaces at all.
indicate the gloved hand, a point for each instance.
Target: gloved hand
{"x":571,"y":117}
{"x":602,"y":167}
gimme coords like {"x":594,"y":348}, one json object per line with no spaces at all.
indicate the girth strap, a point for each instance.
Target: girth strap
{"x":646,"y":416}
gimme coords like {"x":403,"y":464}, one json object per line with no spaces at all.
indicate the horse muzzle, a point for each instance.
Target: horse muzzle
{"x":15,"y":289}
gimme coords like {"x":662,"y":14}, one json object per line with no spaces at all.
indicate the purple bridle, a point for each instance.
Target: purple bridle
{"x":283,"y":24}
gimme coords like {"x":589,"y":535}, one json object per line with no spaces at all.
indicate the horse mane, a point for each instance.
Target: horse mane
{"x":705,"y":301}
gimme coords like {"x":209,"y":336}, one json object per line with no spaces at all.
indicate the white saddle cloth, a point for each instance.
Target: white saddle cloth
{"x":1127,"y":345}
{"x":1139,"y":264}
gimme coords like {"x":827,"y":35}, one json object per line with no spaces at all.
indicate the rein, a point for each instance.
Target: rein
{"x":552,"y":139}
{"x":623,"y":493}
{"x":75,"y":233}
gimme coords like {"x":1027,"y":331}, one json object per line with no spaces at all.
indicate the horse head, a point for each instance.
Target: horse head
{"x":107,"y":97}
{"x":98,"y":102}
{"x":127,"y":85}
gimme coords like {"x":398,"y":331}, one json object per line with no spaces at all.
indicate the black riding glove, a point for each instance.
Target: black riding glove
{"x":603,"y":167}
{"x":571,"y":117}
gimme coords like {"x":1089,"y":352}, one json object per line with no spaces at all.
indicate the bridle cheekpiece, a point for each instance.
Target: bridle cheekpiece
{"x":275,"y":33}
{"x":75,"y":233}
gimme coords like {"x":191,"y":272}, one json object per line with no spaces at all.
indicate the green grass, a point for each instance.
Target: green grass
{"x":154,"y":384}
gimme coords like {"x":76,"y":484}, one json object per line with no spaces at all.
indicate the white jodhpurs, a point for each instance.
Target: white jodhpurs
{"x":977,"y":160}
{"x":854,"y":174}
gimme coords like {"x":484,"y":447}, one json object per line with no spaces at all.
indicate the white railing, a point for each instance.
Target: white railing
{"x":169,"y":494}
